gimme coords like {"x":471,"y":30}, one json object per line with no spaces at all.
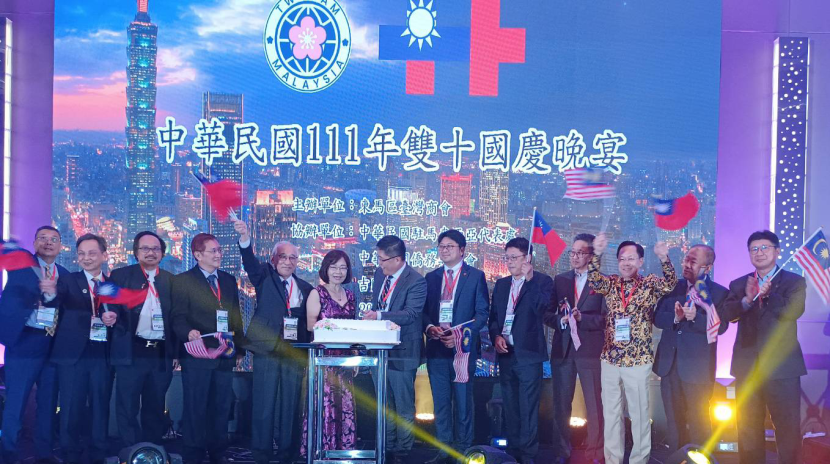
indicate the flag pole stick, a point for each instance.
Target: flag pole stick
{"x":606,"y":217}
{"x":532,"y":228}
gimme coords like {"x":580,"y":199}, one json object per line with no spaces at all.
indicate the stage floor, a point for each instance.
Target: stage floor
{"x":238,"y":453}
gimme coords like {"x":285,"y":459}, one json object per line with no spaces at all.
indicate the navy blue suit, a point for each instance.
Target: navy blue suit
{"x":26,"y":363}
{"x":207,"y":383}
{"x":469,"y":303}
{"x":767,"y":354}
{"x":566,"y":362}
{"x":84,"y":373}
{"x":520,"y":369}
{"x":144,"y":370}
{"x":278,"y":367}
{"x":685,"y":362}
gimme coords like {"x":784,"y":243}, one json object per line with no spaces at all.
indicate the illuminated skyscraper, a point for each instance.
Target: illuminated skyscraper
{"x":228,"y":109}
{"x":457,"y":191}
{"x":141,"y":121}
{"x":73,"y":180}
{"x":271,"y":218}
{"x":492,"y":196}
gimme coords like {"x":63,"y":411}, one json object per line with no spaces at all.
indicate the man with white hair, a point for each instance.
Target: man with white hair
{"x":279,"y":321}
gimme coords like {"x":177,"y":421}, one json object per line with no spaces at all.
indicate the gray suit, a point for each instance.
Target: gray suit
{"x":405,"y":308}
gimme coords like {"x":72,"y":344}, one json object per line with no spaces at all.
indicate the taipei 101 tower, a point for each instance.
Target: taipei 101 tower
{"x":141,"y":121}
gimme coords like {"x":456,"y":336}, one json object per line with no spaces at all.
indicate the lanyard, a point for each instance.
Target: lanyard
{"x":625,"y":300}
{"x":451,"y":288}
{"x":152,"y":287}
{"x":217,"y":293}
{"x":389,"y":292}
{"x":288,"y":300}
{"x":96,"y":303}
{"x":515,"y":291}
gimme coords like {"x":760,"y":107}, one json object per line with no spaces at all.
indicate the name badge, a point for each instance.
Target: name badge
{"x":157,"y":320}
{"x":289,"y":328}
{"x":97,"y":330}
{"x":445,"y":316}
{"x":222,"y":321}
{"x":45,"y":316}
{"x":622,"y":330}
{"x":508,"y":325}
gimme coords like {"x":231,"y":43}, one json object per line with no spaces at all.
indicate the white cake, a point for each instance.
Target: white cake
{"x":354,"y":332}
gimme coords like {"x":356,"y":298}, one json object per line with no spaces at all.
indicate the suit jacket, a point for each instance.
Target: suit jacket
{"x":685,"y":343}
{"x":265,"y":332}
{"x":72,"y":334}
{"x":19,"y":298}
{"x":405,"y":308}
{"x":590,"y":329}
{"x":528,"y":328}
{"x":471,"y":302}
{"x":121,"y":345}
{"x":770,"y":322}
{"x":194,"y":308}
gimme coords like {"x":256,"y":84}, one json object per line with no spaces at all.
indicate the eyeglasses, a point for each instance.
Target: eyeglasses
{"x":387,"y":259}
{"x":578,"y":254}
{"x":513,"y":259}
{"x":339,"y":268}
{"x":145,"y":249}
{"x":447,"y":247}
{"x":291,"y":258}
{"x":761,"y":249}
{"x":213,"y":251}
{"x":43,"y":239}
{"x":630,"y":259}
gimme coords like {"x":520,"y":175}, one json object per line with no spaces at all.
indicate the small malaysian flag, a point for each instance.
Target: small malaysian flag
{"x":463,"y":334}
{"x":588,"y":184}
{"x":814,"y":258}
{"x":700,"y":296}
{"x":197,"y":347}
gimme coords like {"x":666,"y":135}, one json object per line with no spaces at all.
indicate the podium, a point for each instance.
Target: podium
{"x":318,"y":360}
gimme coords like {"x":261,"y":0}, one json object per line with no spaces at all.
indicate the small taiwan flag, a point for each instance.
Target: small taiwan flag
{"x":108,"y":292}
{"x":224,"y":196}
{"x":12,"y":257}
{"x":543,"y":234}
{"x":675,"y":214}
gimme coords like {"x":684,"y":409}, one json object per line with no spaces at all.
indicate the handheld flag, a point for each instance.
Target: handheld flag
{"x":224,"y":195}
{"x":700,"y":296}
{"x":545,"y":235}
{"x":675,"y":214}
{"x":463,"y":334}
{"x":13,"y":257}
{"x":814,"y":258}
{"x":588,"y":184}
{"x":197,"y":348}
{"x":110,"y":293}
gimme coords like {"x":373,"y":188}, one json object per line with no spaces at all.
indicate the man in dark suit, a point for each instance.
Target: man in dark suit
{"x":516,"y":327}
{"x":144,"y":349}
{"x":206,"y":301}
{"x":24,"y":321}
{"x":767,"y":361}
{"x":81,"y":352}
{"x":399,"y":296}
{"x":279,"y":320}
{"x":686,"y":355}
{"x":576,"y":308}
{"x":456,"y":293}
